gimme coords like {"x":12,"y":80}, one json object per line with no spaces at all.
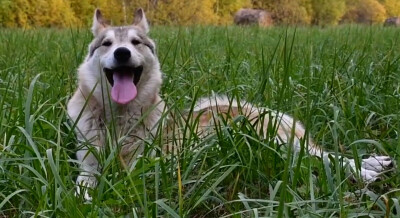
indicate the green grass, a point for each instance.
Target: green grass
{"x":343,"y":83}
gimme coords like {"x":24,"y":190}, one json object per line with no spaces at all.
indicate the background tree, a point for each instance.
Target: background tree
{"x":327,"y":12}
{"x":290,"y":12}
{"x":15,"y":13}
{"x":175,"y":12}
{"x":7,"y":18}
{"x":79,"y":13}
{"x":392,"y":7}
{"x":57,"y":13}
{"x":225,"y":9}
{"x":83,"y":11}
{"x":364,"y":11}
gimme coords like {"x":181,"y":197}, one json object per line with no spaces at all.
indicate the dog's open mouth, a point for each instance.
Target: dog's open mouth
{"x":123,"y":81}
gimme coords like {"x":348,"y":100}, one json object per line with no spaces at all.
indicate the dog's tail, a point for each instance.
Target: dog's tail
{"x":287,"y":129}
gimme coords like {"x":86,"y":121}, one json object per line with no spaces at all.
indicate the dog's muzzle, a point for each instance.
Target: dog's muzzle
{"x":135,"y":72}
{"x":123,"y":80}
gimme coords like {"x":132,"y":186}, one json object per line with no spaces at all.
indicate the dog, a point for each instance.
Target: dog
{"x":119,"y":82}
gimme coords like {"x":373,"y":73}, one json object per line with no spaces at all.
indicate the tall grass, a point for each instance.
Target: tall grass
{"x":343,"y":83}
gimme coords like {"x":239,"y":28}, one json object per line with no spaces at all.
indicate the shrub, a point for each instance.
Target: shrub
{"x":364,"y":11}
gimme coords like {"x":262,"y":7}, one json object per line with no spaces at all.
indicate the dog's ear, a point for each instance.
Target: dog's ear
{"x":141,"y":21}
{"x":99,"y":23}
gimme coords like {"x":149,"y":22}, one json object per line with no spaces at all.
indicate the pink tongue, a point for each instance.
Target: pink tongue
{"x":123,"y":91}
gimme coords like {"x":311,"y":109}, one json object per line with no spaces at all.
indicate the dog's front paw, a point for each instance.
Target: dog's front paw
{"x":83,"y":183}
{"x":372,"y":167}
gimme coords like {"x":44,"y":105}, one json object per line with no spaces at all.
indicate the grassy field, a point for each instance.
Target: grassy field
{"x":343,"y":83}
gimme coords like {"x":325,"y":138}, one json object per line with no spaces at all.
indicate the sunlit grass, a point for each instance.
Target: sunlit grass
{"x":343,"y":83}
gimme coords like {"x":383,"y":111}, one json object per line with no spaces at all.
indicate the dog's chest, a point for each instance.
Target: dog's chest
{"x":127,"y":121}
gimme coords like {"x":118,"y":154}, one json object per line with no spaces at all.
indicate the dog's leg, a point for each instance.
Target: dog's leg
{"x":89,"y":166}
{"x":372,"y":167}
{"x":370,"y":170}
{"x":88,"y":130}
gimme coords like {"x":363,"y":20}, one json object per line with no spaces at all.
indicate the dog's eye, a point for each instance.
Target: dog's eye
{"x":135,"y":42}
{"x":106,"y":43}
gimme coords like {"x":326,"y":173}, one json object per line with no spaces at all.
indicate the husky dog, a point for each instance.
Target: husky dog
{"x":119,"y":83}
{"x":119,"y":80}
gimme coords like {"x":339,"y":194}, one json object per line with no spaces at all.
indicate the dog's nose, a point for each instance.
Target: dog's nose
{"x":122,"y":54}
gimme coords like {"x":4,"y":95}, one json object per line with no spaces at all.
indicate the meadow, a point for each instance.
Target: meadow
{"x":342,"y":82}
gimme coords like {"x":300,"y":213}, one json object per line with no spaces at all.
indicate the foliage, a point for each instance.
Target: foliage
{"x":290,"y":12}
{"x":327,"y":12}
{"x":364,"y":11}
{"x":42,"y":13}
{"x":78,"y":13}
{"x":392,"y":7}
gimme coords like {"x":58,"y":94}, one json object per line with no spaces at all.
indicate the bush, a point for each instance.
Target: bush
{"x":364,"y":11}
{"x":327,"y":12}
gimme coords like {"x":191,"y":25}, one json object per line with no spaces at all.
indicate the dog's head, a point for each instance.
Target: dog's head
{"x":124,"y":56}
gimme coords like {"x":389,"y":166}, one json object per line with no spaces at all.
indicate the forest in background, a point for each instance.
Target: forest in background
{"x":78,"y":13}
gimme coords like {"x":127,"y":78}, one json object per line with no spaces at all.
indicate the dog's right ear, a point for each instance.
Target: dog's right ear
{"x":99,"y":23}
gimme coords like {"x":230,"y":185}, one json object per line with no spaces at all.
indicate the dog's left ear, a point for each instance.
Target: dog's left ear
{"x":141,"y":21}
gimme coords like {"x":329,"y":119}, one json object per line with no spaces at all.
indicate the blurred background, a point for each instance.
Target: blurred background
{"x":78,"y":13}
